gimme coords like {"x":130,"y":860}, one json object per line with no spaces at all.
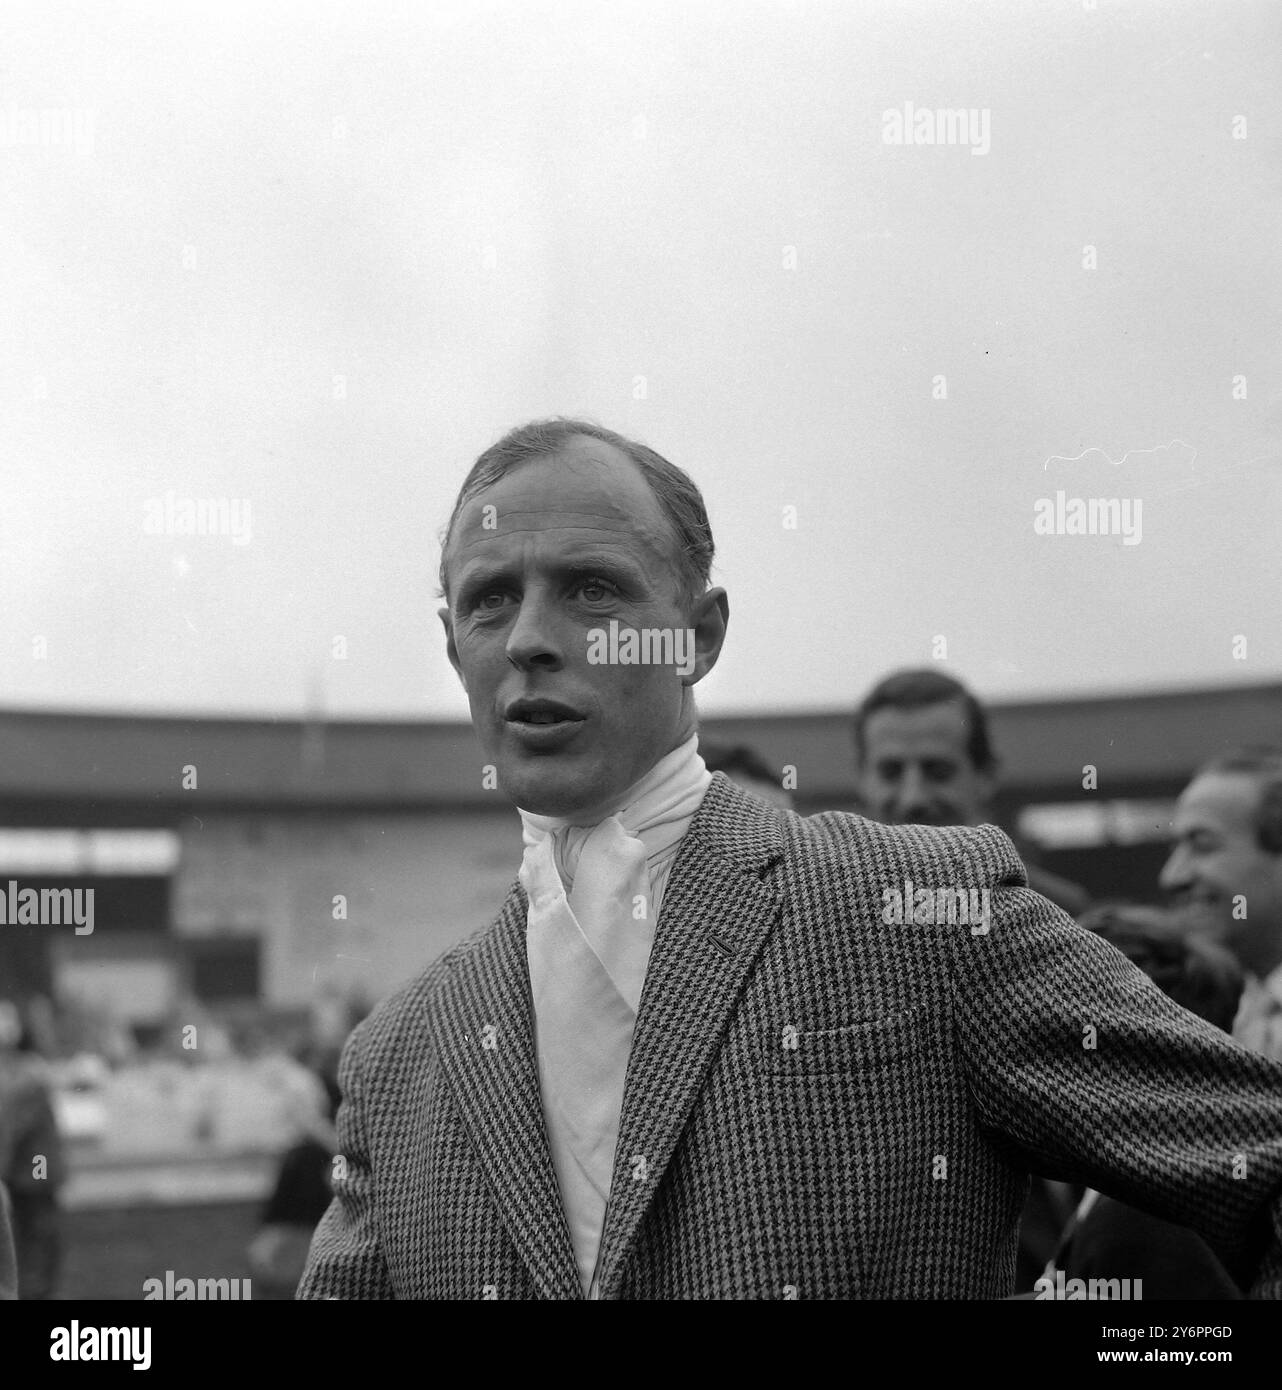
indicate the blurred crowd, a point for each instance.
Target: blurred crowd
{"x":76,"y":1085}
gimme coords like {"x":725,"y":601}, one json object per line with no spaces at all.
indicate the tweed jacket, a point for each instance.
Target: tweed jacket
{"x":818,"y":1104}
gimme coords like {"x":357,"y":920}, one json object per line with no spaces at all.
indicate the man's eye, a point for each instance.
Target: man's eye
{"x":607,"y":590}
{"x":483,"y":600}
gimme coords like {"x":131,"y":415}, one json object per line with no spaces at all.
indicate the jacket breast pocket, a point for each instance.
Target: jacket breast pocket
{"x":867,"y":1046}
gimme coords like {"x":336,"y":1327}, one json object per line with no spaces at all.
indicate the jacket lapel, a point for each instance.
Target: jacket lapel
{"x":496,"y":1088}
{"x":715,"y":918}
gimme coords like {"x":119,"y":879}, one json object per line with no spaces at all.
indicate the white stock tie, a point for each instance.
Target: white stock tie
{"x":587,"y":954}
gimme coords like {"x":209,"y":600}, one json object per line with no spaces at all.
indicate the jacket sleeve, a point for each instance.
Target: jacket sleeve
{"x":1083,"y":1070}
{"x":346,"y":1258}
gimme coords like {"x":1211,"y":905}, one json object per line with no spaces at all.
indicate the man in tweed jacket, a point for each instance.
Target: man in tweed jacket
{"x":826,"y":1095}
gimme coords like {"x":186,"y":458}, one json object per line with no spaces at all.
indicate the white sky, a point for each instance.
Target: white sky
{"x":480,"y":213}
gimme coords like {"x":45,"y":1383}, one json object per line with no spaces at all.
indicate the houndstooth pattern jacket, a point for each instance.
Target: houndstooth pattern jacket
{"x":818,"y":1104}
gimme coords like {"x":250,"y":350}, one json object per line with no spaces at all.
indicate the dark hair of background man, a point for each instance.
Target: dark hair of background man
{"x":916,"y":689}
{"x":1264,"y":763}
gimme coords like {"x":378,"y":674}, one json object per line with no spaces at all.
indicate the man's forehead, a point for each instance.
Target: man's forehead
{"x":487,"y":515}
{"x":588,"y":485}
{"x":941,"y":724}
{"x":586,"y":495}
{"x":1225,"y":799}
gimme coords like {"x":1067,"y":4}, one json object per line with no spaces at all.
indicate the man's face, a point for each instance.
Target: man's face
{"x":916,"y":769}
{"x":552,"y":551}
{"x":1217,"y":859}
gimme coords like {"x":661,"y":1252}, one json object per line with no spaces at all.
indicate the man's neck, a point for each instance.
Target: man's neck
{"x":620,"y":801}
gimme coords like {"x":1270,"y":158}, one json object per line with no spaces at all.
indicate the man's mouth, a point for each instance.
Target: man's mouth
{"x":1200,"y":912}
{"x":1195,"y":902}
{"x":529,"y":713}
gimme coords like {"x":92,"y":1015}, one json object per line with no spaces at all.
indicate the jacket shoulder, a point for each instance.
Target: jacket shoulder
{"x":839,"y":840}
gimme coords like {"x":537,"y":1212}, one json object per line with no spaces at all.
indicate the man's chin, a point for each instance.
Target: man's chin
{"x":546,"y":786}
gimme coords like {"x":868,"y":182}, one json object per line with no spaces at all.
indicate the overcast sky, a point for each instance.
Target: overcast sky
{"x":314,"y":258}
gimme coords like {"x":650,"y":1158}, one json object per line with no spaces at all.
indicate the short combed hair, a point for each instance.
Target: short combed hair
{"x":1264,"y":763}
{"x":675,"y":491}
{"x":915,"y":689}
{"x":1199,"y":975}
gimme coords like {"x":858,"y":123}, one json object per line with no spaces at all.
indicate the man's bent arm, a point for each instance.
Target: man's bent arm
{"x":1086,"y":1070}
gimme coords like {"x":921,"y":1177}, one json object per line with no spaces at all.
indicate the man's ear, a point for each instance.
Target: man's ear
{"x":708,"y":618}
{"x":451,"y":648}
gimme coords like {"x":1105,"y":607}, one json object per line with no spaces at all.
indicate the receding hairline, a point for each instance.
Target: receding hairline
{"x":1210,"y":783}
{"x":1258,"y":779}
{"x":1263,"y":761}
{"x":565,"y":451}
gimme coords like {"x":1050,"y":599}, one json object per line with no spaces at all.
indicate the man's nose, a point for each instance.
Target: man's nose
{"x":912,"y":791}
{"x":1177,"y":872}
{"x":533,"y":639}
